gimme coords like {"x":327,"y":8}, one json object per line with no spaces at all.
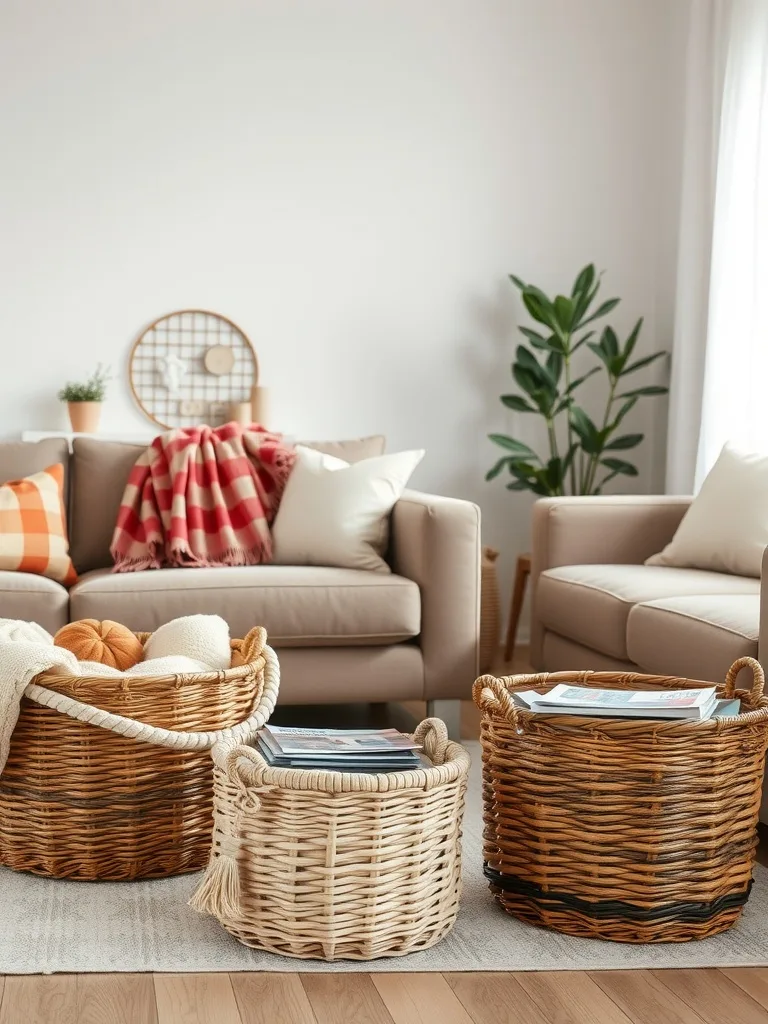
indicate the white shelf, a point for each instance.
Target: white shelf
{"x":132,"y":438}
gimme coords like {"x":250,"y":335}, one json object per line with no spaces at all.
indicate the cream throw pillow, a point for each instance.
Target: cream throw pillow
{"x":334,"y":513}
{"x":726,"y":527}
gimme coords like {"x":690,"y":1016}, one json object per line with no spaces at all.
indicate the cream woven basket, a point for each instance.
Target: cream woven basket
{"x":333,"y":866}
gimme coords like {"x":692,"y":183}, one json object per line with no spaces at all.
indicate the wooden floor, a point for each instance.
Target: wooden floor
{"x":566,"y":997}
{"x":602,"y":997}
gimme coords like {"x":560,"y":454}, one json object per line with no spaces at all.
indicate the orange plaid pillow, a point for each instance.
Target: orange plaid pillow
{"x":33,"y":526}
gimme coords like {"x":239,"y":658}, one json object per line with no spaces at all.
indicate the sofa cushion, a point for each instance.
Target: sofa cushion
{"x":698,"y":637}
{"x":351,"y":451}
{"x":34,"y":598}
{"x":299,"y":606}
{"x":99,"y":473}
{"x":591,"y":603}
{"x":23,"y":458}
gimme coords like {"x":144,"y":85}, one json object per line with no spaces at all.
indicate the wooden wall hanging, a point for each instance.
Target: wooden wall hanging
{"x":190,"y":367}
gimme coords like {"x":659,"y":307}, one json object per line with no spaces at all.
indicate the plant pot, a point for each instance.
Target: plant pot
{"x":84,"y":416}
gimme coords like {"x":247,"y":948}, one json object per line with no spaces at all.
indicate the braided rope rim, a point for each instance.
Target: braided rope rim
{"x":133,"y":729}
{"x":246,"y":768}
{"x":492,"y":696}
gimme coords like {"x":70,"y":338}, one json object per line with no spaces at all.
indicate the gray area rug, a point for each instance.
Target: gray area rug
{"x":48,"y":926}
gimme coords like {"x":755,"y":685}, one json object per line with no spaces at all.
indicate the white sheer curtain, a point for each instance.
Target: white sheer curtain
{"x":705,"y":66}
{"x":735,"y":392}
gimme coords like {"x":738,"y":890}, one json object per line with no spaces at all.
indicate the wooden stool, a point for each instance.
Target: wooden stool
{"x":522,"y":572}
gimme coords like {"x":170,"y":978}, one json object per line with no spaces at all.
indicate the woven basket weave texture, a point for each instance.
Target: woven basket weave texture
{"x":343,"y":866}
{"x":636,"y":830}
{"x":78,"y":801}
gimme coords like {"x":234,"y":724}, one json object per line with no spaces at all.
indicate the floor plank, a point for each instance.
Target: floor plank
{"x":195,"y":999}
{"x":420,"y":999}
{"x":40,"y":999}
{"x":271,"y":999}
{"x":753,"y":980}
{"x":713,"y":996}
{"x":571,"y":996}
{"x":495,"y":998}
{"x":117,"y":998}
{"x":344,"y":998}
{"x":643,"y":998}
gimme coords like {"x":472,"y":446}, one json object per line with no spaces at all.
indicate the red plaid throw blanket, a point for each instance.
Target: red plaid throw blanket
{"x":202,"y":496}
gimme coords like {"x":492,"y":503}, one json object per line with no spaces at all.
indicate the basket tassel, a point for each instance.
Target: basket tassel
{"x":219,"y":892}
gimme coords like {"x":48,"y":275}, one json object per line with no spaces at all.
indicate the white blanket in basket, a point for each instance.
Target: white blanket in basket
{"x":26,"y":649}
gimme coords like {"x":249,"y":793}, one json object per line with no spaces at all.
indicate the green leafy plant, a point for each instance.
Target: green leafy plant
{"x":92,"y":390}
{"x":581,"y":457}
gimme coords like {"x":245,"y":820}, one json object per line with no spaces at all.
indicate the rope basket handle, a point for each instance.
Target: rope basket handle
{"x":758,"y":677}
{"x":491,"y":696}
{"x":133,"y":729}
{"x":433,"y":735}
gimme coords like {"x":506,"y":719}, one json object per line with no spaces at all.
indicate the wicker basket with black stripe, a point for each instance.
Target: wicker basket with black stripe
{"x":633,"y":830}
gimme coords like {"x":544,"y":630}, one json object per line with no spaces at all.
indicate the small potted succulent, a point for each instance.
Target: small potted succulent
{"x":84,"y":401}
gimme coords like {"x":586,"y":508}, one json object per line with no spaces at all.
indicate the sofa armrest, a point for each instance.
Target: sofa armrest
{"x":436,"y":543}
{"x":610,"y":530}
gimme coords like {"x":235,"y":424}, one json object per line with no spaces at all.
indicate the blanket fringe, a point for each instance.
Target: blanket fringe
{"x":123,"y":564}
{"x":182,"y":557}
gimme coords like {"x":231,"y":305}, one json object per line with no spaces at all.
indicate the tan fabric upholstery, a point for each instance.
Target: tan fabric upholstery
{"x":333,"y":675}
{"x":299,"y":606}
{"x":622,"y":529}
{"x":350,"y":451}
{"x":763,"y":643}
{"x":436,"y":543}
{"x":698,"y":637}
{"x":591,"y":603}
{"x":34,"y":598}
{"x":99,"y":473}
{"x":23,"y":458}
{"x":562,"y":655}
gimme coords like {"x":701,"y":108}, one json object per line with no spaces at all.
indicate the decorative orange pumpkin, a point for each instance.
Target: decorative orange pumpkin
{"x":105,"y":642}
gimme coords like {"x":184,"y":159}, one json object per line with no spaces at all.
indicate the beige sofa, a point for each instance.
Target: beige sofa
{"x":596,"y":605}
{"x":341,"y":634}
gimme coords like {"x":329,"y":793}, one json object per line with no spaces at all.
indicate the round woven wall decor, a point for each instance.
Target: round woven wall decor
{"x":190,"y":366}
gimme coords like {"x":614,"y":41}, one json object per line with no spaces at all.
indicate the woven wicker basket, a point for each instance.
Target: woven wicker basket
{"x":636,"y":830}
{"x":490,"y":609}
{"x":105,"y":801}
{"x":335,"y":866}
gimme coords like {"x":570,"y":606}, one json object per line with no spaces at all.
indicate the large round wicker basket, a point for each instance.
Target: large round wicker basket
{"x":332,"y":866}
{"x":635,"y":830}
{"x":131,"y":797}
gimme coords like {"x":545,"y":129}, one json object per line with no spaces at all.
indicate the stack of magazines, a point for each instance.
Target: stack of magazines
{"x":698,"y":704}
{"x":340,"y":750}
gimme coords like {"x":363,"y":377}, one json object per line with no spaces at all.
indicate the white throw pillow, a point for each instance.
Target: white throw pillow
{"x":726,"y":527}
{"x":337,"y":514}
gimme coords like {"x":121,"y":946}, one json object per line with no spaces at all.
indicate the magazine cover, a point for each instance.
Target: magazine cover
{"x":338,"y":741}
{"x":581,"y":696}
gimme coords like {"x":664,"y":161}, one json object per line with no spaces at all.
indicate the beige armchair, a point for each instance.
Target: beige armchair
{"x":596,"y":605}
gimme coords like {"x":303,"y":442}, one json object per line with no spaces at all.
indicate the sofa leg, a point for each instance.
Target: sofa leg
{"x":450,"y":712}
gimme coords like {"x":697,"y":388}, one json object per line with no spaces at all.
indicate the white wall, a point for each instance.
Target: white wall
{"x":350,"y":181}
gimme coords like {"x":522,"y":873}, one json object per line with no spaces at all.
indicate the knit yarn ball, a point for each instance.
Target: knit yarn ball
{"x":107,"y":643}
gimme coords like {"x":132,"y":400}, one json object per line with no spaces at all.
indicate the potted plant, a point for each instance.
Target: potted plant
{"x":583,"y":453}
{"x":84,"y":401}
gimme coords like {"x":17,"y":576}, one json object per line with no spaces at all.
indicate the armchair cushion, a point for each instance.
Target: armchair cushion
{"x":698,"y":637}
{"x":725,"y":528}
{"x":591,"y":603}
